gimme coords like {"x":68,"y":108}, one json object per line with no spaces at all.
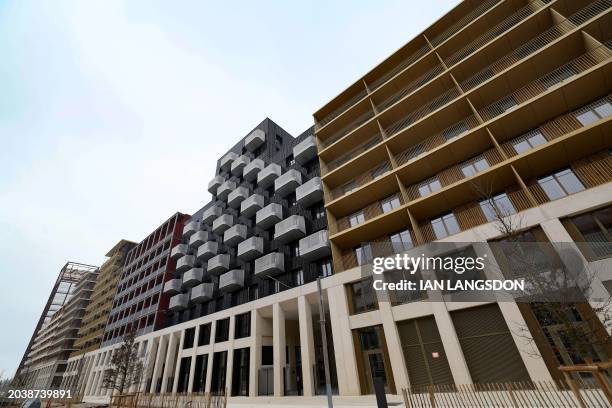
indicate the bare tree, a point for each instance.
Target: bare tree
{"x":559,"y":284}
{"x":126,"y":366}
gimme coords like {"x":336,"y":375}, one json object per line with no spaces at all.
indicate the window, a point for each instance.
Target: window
{"x":558,"y":76}
{"x":379,"y":171}
{"x":325,"y":268}
{"x":497,"y":206}
{"x":505,"y":104}
{"x":350,"y":186}
{"x":298,"y":277}
{"x":356,"y":219}
{"x":528,"y":141}
{"x":455,"y":130}
{"x":429,"y":186}
{"x":362,"y":297}
{"x":363,"y":254}
{"x":294,"y":249}
{"x":390,"y":203}
{"x":243,"y":325}
{"x":204,"y":335}
{"x":592,"y":232}
{"x":222,"y":330}
{"x":279,"y":139}
{"x":560,"y":184}
{"x":189,"y":337}
{"x":402,"y":241}
{"x":318,"y":212}
{"x":474,"y":165}
{"x":445,"y":226}
{"x":598,"y":110}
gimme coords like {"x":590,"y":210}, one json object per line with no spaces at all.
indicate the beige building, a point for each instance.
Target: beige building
{"x":498,"y":104}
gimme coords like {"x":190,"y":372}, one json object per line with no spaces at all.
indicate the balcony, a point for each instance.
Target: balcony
{"x":270,"y":265}
{"x":239,"y":164}
{"x":223,"y":222}
{"x":305,"y":150}
{"x":315,"y":246}
{"x":237,"y":196}
{"x":185,"y":263}
{"x":179,"y":302}
{"x":193,"y":277}
{"x":172,"y":287}
{"x":290,"y":228}
{"x":251,"y":205}
{"x":232,"y":280}
{"x":202,"y":292}
{"x":214,"y":184}
{"x":226,"y":161}
{"x":362,"y":179}
{"x":218,"y":264}
{"x":255,"y":139}
{"x":225,"y":188}
{"x":367,"y":213}
{"x":269,"y":215}
{"x":252,"y":169}
{"x":198,"y":239}
{"x":251,"y":248}
{"x":310,"y":192}
{"x":266,"y":177}
{"x":287,"y":182}
{"x":207,"y":250}
{"x":191,"y":228}
{"x":356,"y":151}
{"x":210,"y":214}
{"x":179,"y":251}
{"x":234,"y":235}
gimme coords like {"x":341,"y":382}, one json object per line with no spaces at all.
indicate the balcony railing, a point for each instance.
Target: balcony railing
{"x":336,"y":112}
{"x":362,"y":179}
{"x":410,"y":87}
{"x":365,"y":146}
{"x":348,"y":128}
{"x":314,"y":246}
{"x":544,"y":83}
{"x":372,"y":210}
{"x":400,"y":67}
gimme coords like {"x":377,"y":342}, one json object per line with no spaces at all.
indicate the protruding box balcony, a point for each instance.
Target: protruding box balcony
{"x":250,"y":248}
{"x":290,"y":228}
{"x":255,"y":139}
{"x":179,"y":302}
{"x":315,"y":246}
{"x":191,"y":228}
{"x":225,"y":188}
{"x":305,"y":150}
{"x":309,"y":192}
{"x":226,"y":161}
{"x":211,"y":214}
{"x":202,"y":292}
{"x":193,"y":277}
{"x":269,"y":265}
{"x":185,"y":263}
{"x":172,"y":287}
{"x":252,"y":169}
{"x":214,"y":184}
{"x":207,"y":250}
{"x":198,"y":239}
{"x":266,"y":177}
{"x":269,"y":215}
{"x":234,"y":235}
{"x":223,"y":222}
{"x":232,"y":280}
{"x":179,"y":251}
{"x":251,"y":205}
{"x":218,"y":264}
{"x":237,"y":196}
{"x":239,"y":164}
{"x":287,"y":182}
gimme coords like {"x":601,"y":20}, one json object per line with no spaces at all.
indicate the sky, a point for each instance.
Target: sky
{"x":113,"y":114}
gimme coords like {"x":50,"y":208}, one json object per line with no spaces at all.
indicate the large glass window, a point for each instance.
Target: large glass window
{"x":222,"y":330}
{"x":363,"y":254}
{"x":356,"y":218}
{"x":429,"y":186}
{"x":474,"y":165}
{"x":455,"y":130}
{"x":528,"y":141}
{"x":593,"y":232}
{"x":401,"y":241}
{"x":445,"y":225}
{"x":325,"y":268}
{"x":204,"y":335}
{"x":597,"y":111}
{"x":189,"y":337}
{"x":243,"y":325}
{"x":362,"y":297}
{"x":497,"y":207}
{"x":390,"y":203}
{"x":560,"y":184}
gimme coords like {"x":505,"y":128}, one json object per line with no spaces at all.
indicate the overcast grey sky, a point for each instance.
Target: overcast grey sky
{"x":113,"y":114}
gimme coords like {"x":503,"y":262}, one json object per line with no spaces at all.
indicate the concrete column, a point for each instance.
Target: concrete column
{"x":168,"y":369}
{"x":307,"y":348}
{"x":279,"y":343}
{"x":394,"y":347}
{"x":149,"y":364}
{"x":346,"y":364}
{"x":230,"y":356}
{"x":255,"y":356}
{"x":209,"y":366}
{"x":193,"y":358}
{"x":159,"y":361}
{"x":177,"y":362}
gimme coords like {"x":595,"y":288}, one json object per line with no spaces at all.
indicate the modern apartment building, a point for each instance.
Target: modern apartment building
{"x":139,"y":303}
{"x":500,"y":104}
{"x":45,"y":359}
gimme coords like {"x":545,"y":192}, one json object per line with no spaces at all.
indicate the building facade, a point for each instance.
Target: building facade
{"x":498,"y":105}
